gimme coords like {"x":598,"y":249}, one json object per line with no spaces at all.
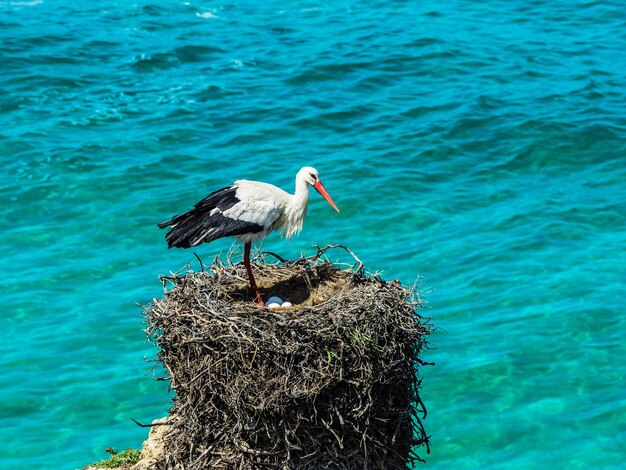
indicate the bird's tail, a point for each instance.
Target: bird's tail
{"x":174,"y":220}
{"x":169,"y":222}
{"x":186,"y":231}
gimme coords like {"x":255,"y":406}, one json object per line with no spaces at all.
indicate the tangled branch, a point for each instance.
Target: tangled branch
{"x":329,"y":383}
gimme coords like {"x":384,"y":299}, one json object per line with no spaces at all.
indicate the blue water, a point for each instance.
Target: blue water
{"x":477,"y":145}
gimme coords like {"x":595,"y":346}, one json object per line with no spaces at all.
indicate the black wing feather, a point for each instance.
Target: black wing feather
{"x":200,"y":226}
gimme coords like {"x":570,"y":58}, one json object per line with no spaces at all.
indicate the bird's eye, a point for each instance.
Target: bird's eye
{"x":313,"y":176}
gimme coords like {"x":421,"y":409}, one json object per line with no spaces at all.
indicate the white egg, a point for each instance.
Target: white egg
{"x":275,"y":300}
{"x":286,"y":305}
{"x":273,"y":305}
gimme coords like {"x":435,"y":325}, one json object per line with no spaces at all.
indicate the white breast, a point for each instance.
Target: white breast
{"x":259,"y":203}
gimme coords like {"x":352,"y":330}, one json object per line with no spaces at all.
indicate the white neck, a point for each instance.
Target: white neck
{"x":296,"y":209}
{"x":302,"y":189}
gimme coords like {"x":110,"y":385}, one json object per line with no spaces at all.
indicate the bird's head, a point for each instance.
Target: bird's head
{"x":311,"y":176}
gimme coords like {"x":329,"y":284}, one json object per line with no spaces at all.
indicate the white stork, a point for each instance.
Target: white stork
{"x":249,"y":211}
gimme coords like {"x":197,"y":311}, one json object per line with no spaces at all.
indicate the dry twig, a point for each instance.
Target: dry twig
{"x":329,"y":383}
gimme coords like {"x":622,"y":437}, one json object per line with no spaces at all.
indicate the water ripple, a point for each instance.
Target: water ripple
{"x":480,"y":146}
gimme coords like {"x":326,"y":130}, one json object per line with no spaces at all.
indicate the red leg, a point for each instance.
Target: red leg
{"x":246,"y":263}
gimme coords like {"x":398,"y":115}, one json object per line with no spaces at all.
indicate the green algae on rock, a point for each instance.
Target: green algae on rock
{"x":124,"y":460}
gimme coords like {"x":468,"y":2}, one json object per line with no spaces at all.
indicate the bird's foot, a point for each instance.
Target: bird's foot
{"x":259,"y":299}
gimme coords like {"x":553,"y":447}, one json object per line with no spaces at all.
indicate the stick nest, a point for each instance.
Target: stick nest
{"x":328,"y":383}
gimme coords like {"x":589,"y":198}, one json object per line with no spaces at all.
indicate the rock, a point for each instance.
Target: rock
{"x":153,"y":447}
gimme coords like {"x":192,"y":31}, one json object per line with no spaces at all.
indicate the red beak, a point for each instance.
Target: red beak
{"x":319,"y":187}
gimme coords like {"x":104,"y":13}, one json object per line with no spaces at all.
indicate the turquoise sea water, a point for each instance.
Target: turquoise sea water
{"x":480,"y":145}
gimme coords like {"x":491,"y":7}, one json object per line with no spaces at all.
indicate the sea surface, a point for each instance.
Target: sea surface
{"x":476,"y":147}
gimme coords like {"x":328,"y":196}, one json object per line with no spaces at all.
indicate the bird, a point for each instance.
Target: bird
{"x":248,"y":211}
